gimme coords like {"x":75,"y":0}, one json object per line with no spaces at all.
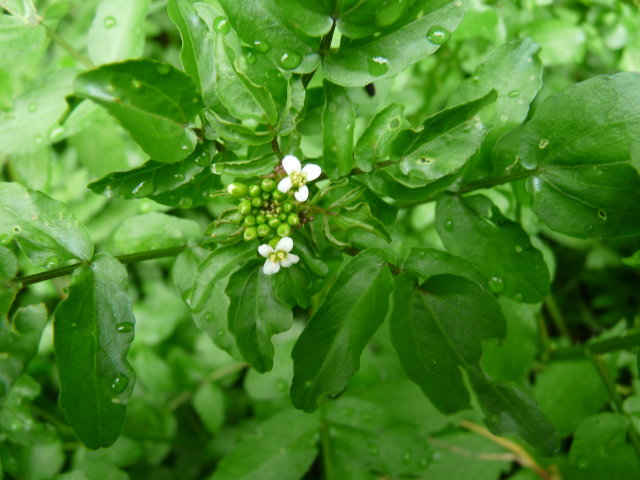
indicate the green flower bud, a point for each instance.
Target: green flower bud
{"x":237,"y":189}
{"x":268,"y":185}
{"x":278,"y":195}
{"x":261,"y":218}
{"x":255,"y":191}
{"x":244,"y":207}
{"x":284,"y":230}
{"x":256,"y":202}
{"x":293,"y":219}
{"x":250,"y":234}
{"x":282,"y":217}
{"x":249,"y":220}
{"x":266,"y":196}
{"x":273,"y":223}
{"x":255,"y":211}
{"x":279,"y":209}
{"x":287,"y":207}
{"x":263,"y":230}
{"x":236,"y":218}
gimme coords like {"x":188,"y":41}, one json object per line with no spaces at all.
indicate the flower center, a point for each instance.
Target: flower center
{"x":278,"y":256}
{"x":298,"y":179}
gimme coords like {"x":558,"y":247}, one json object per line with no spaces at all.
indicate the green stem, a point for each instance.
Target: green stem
{"x":556,"y":316}
{"x":628,"y":341}
{"x":325,"y":441}
{"x":325,"y":45}
{"x":492,"y":182}
{"x":64,"y":44}
{"x":68,"y":269}
{"x":616,"y":399}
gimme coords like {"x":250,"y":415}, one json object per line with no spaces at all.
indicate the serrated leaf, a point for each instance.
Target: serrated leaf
{"x":283,"y":447}
{"x":501,"y":250}
{"x":93,"y":328}
{"x":154,"y":101}
{"x":117,"y":31}
{"x":19,"y":340}
{"x":374,"y":145}
{"x":45,"y":229}
{"x":259,"y":23}
{"x":255,"y":315}
{"x":327,"y":353}
{"x":376,"y":57}
{"x":338,"y":125}
{"x":577,"y":146}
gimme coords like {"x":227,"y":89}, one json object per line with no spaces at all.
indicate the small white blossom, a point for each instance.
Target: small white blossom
{"x":278,"y":256}
{"x":297,"y":177}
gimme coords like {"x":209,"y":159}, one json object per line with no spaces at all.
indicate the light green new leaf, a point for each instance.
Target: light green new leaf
{"x":374,"y":145}
{"x":260,"y":24}
{"x":93,"y":328}
{"x":327,"y":353}
{"x":338,"y":125}
{"x":118,"y":31}
{"x":245,"y":168}
{"x":8,"y":263}
{"x":255,"y":315}
{"x":376,"y":57}
{"x":473,"y":228}
{"x":578,"y":147}
{"x":154,"y":231}
{"x":45,"y":229}
{"x":283,"y":447}
{"x":154,"y":101}
{"x":19,"y":340}
{"x":19,"y":38}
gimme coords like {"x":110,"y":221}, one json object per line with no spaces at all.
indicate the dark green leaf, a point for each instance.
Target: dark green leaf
{"x":237,"y":132}
{"x":282,"y":448}
{"x":19,"y":340}
{"x":292,"y":286}
{"x":255,"y":315}
{"x":428,"y":262}
{"x":577,"y":146}
{"x":338,"y":124}
{"x":154,"y":101}
{"x":500,"y":250}
{"x":327,"y":353}
{"x":359,"y":217}
{"x":305,"y":18}
{"x":45,"y":229}
{"x":403,"y":44}
{"x":374,"y":145}
{"x":92,"y":331}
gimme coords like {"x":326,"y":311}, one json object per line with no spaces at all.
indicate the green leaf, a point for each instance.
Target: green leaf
{"x":311,"y":19}
{"x":261,"y":24}
{"x":359,"y":217}
{"x":117,"y":32}
{"x":428,"y":262}
{"x":338,"y":124}
{"x":327,"y":353}
{"x":45,"y":229}
{"x":19,"y":37}
{"x":208,"y":402}
{"x":19,"y":340}
{"x":293,"y":286}
{"x":600,"y":449}
{"x":399,"y":46}
{"x":283,"y":447}
{"x":255,"y":315}
{"x":244,"y":168}
{"x":360,"y":19}
{"x":577,"y":146}
{"x":154,"y":101}
{"x":185,"y":184}
{"x":8,"y":264}
{"x":217,"y":265}
{"x":93,"y":328}
{"x":154,"y":231}
{"x":237,"y":132}
{"x":197,"y":44}
{"x":500,"y":250}
{"x":374,"y":145}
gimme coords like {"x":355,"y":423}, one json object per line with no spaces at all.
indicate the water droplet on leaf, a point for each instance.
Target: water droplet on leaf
{"x":120,"y":382}
{"x":395,"y":123}
{"x":438,"y":35}
{"x":143,"y":189}
{"x":378,"y":66}
{"x":262,"y":47}
{"x":281,"y":385}
{"x":110,"y":22}
{"x":496,"y":284}
{"x":124,"y":327}
{"x":221,"y":24}
{"x":16,"y":229}
{"x":56,"y":134}
{"x":290,"y":60}
{"x":250,"y":57}
{"x":448,"y":225}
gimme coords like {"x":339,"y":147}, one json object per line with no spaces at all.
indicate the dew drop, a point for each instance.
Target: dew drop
{"x":373,"y":449}
{"x":110,"y":22}
{"x":184,"y":147}
{"x":221,"y":333}
{"x":542,"y":144}
{"x":33,"y":106}
{"x":124,"y":327}
{"x":143,"y":189}
{"x":179,"y":176}
{"x":16,"y":229}
{"x":136,"y":84}
{"x":281,"y":385}
{"x":438,"y":35}
{"x":185,"y":202}
{"x":120,"y":382}
{"x":496,"y":284}
{"x":262,"y":47}
{"x":519,"y":249}
{"x":378,"y":66}
{"x":589,"y":228}
{"x":163,"y":69}
{"x":51,"y":262}
{"x":250,"y":57}
{"x":221,"y":24}
{"x":448,"y":225}
{"x":518,"y":297}
{"x":406,"y":457}
{"x":513,"y":93}
{"x":395,"y":123}
{"x":56,"y":134}
{"x":290,"y":60}
{"x":602,"y":215}
{"x":202,"y":160}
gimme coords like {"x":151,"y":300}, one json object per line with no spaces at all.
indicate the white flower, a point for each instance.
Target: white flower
{"x":278,"y":256}
{"x":297,"y":177}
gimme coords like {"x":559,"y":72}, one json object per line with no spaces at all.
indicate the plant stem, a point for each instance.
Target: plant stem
{"x":327,"y":463}
{"x":64,"y":44}
{"x":68,"y":269}
{"x":556,"y":315}
{"x":629,"y":340}
{"x":492,"y":182}
{"x":325,"y":45}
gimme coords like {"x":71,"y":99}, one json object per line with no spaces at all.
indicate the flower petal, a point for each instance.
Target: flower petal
{"x":270,"y":267}
{"x":285,"y":184}
{"x":290,"y":260}
{"x":302,"y":194}
{"x":312,"y":171}
{"x":285,"y":244}
{"x":265,"y":250}
{"x":291,"y":164}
